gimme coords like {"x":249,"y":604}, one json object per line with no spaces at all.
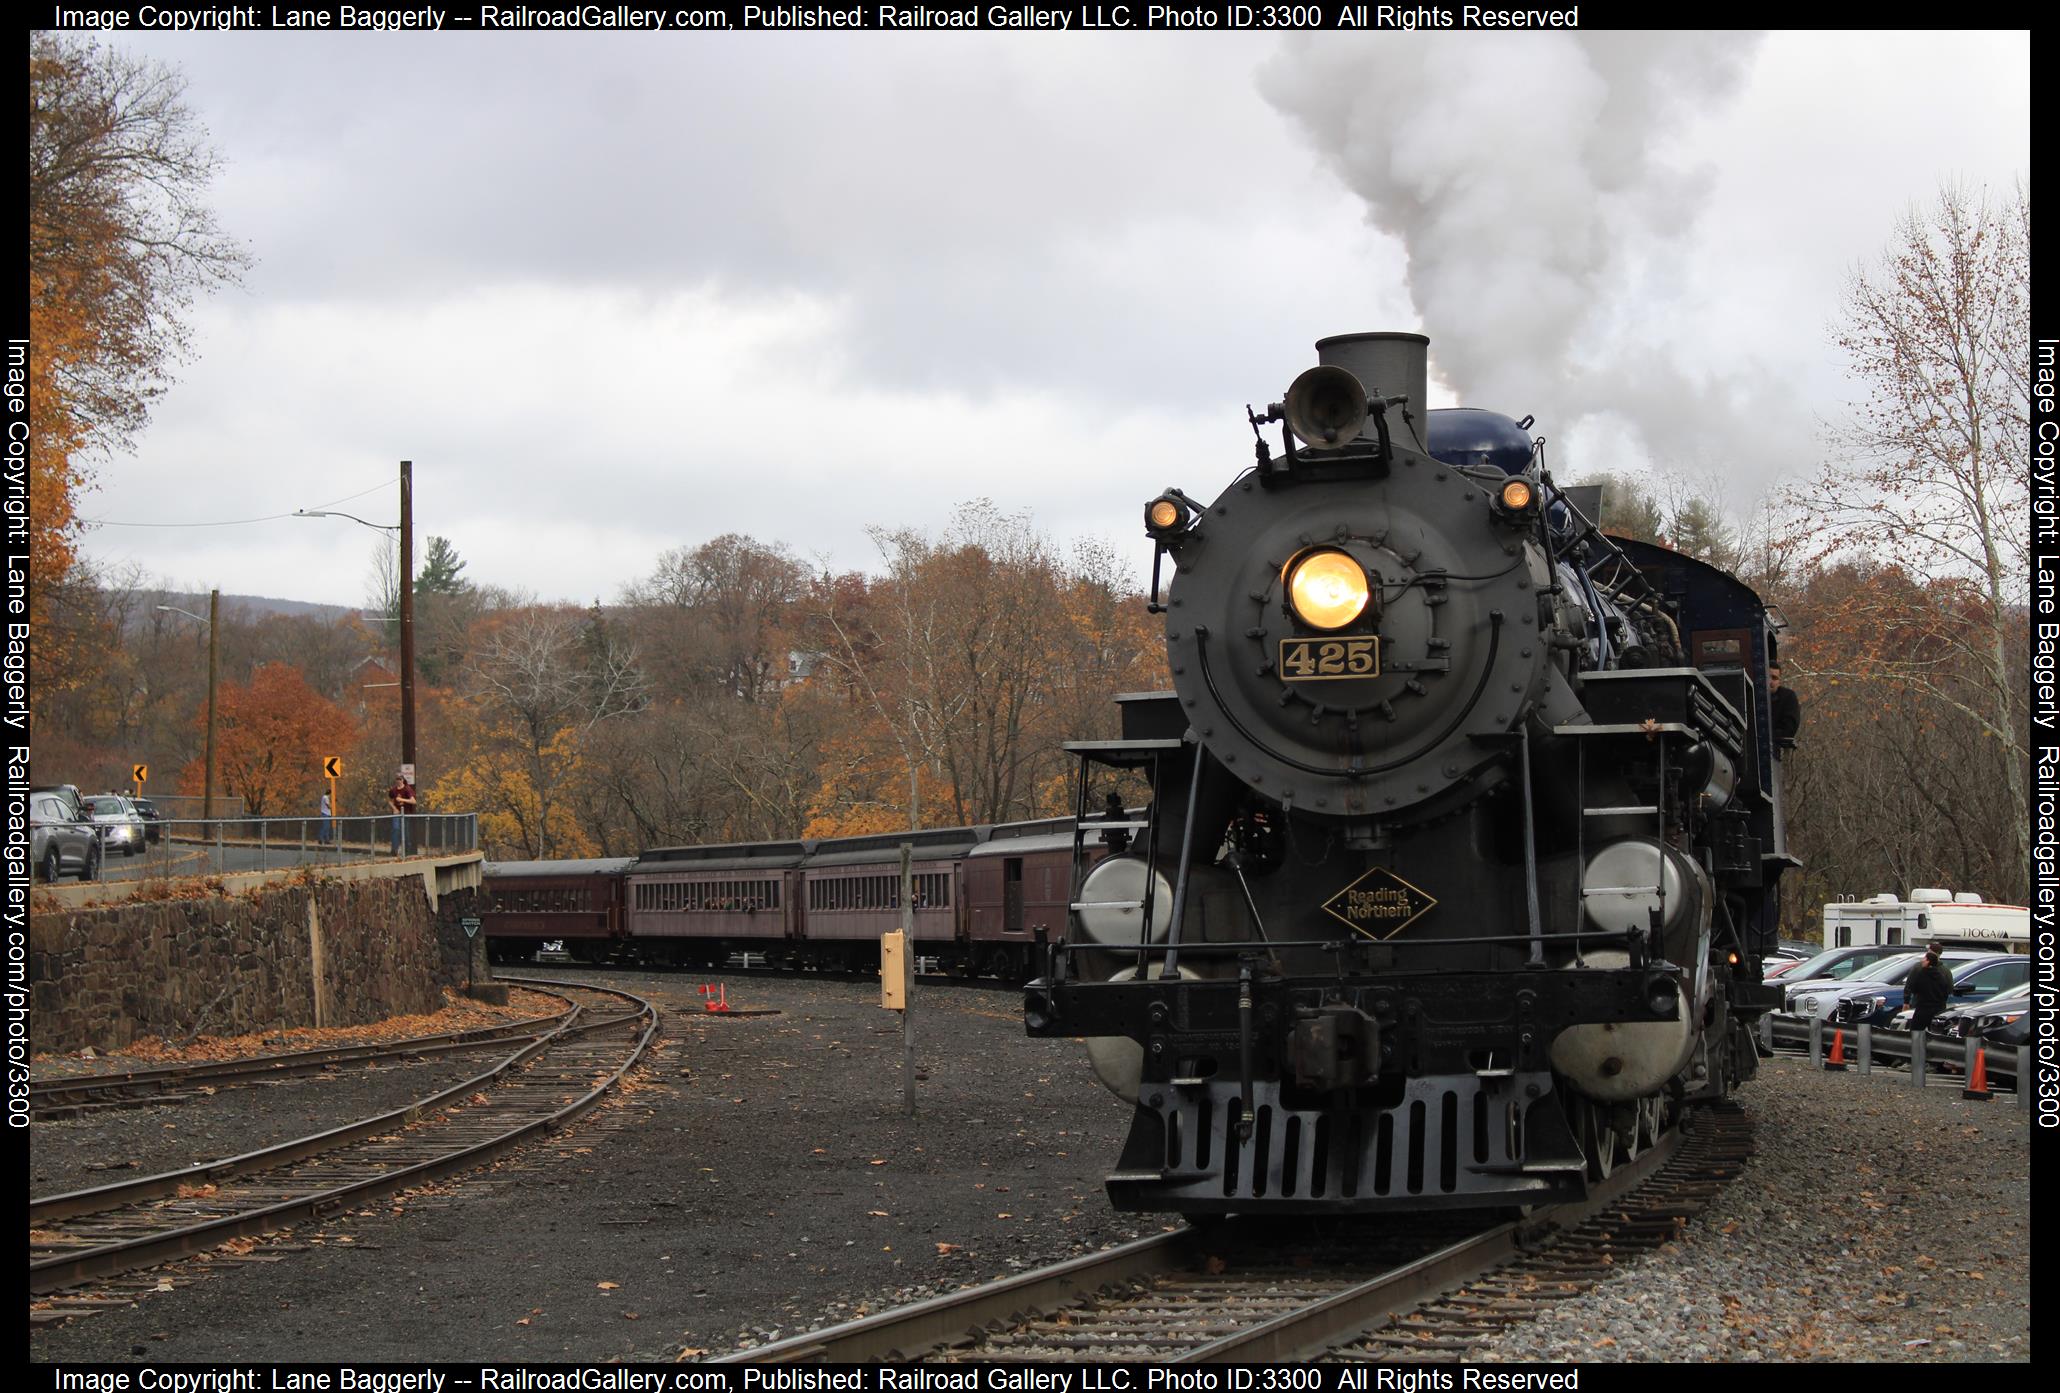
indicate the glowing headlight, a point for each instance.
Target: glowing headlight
{"x":1516,"y":495}
{"x":1327,"y":589}
{"x":1165,"y":515}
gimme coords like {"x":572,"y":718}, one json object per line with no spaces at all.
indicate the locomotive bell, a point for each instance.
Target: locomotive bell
{"x":1325,"y":406}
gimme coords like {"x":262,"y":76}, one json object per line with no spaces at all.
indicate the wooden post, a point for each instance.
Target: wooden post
{"x":908,"y":982}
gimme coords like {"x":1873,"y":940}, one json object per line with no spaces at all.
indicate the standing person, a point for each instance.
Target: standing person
{"x":1928,"y":990}
{"x":401,"y":798}
{"x":1787,"y":710}
{"x":322,"y":831}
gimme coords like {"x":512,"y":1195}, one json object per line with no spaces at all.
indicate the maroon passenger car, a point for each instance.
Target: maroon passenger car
{"x":698,"y":904}
{"x":526,"y":904}
{"x":853,"y":888}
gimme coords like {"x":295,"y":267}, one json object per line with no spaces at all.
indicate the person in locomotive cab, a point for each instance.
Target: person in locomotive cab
{"x":1787,"y":710}
{"x":1116,"y":839}
{"x":1930,"y":987}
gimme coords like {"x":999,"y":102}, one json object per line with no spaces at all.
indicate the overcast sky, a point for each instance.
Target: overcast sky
{"x":618,"y":294}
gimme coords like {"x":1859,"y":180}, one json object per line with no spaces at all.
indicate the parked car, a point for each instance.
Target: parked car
{"x":69,"y":795}
{"x":1976,"y":976}
{"x":1955,"y":1021}
{"x":1772,"y":968}
{"x":1838,"y":965}
{"x":61,"y":837}
{"x":120,"y":829}
{"x":2005,"y":1019}
{"x":153,"y":821}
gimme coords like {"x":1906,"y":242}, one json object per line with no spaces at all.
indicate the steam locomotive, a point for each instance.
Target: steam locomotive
{"x":1460,"y":831}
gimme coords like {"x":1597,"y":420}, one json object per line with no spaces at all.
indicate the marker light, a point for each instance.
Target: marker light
{"x":1327,"y":589}
{"x":1516,"y":495}
{"x":1164,"y":515}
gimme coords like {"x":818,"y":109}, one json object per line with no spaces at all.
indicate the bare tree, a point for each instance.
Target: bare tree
{"x":1933,"y":477}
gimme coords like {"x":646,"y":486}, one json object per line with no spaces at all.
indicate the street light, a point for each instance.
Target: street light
{"x":407,"y":530}
{"x":214,"y":613}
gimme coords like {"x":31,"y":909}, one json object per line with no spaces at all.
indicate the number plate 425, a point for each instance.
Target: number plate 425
{"x":1320,"y":659}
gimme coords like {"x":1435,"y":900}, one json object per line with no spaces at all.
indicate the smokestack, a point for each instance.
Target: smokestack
{"x":1387,"y":365}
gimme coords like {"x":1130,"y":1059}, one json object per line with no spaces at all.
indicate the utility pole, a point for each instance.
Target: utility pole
{"x":408,"y":615}
{"x":214,"y":629}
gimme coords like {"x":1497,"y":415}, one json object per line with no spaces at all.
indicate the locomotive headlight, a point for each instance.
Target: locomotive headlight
{"x":1327,"y":588}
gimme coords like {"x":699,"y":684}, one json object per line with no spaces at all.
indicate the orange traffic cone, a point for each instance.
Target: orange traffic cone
{"x":1977,"y":1082}
{"x":1837,"y":1060}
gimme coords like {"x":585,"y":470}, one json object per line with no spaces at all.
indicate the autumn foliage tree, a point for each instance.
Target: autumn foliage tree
{"x":271,"y":734}
{"x":540,"y":684}
{"x":120,"y":242}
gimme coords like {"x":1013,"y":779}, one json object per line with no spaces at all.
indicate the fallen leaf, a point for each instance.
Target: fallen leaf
{"x":877,"y":1213}
{"x":607,"y":1286}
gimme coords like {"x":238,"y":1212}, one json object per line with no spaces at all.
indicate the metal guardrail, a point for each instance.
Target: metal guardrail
{"x":1868,"y":1048}
{"x":198,"y":846}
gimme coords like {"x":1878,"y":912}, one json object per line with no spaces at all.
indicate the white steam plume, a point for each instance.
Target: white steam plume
{"x":1527,"y":177}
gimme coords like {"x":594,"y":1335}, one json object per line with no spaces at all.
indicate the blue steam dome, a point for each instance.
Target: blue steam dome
{"x":1469,"y":436}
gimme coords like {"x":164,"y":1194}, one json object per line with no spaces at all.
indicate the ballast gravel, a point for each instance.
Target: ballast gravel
{"x":759,"y":1178}
{"x":1876,"y":1221}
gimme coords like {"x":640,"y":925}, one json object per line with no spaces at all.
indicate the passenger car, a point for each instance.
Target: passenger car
{"x":121,"y":829}
{"x":60,"y":838}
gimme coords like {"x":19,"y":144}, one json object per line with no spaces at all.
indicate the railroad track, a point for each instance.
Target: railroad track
{"x":1222,"y":1295}
{"x":88,"y":1235}
{"x":65,"y":1097}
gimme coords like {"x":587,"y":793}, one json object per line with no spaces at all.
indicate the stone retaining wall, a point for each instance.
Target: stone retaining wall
{"x":314,"y":952}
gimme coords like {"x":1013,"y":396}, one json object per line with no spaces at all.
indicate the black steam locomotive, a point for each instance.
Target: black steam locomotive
{"x":1461,"y":826}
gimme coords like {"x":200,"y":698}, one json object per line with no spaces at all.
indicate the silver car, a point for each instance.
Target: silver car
{"x":60,"y":839}
{"x":121,"y":829}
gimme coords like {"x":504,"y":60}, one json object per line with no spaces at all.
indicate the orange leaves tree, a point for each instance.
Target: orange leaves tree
{"x":1932,"y":477}
{"x":271,"y":736}
{"x":119,"y":244}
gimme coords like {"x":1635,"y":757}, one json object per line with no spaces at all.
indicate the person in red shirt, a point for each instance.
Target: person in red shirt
{"x":401,"y":798}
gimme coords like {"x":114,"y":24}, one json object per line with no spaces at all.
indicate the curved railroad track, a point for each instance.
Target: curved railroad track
{"x":64,"y":1097}
{"x":1432,"y":1290}
{"x":86,"y":1235}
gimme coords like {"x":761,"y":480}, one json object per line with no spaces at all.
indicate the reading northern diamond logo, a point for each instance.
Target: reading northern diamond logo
{"x":1379,"y":904}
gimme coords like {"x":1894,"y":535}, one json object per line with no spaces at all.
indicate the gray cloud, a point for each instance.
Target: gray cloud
{"x":615,"y":294}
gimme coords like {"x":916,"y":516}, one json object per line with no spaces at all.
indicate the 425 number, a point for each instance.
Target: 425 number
{"x":1320,"y":659}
